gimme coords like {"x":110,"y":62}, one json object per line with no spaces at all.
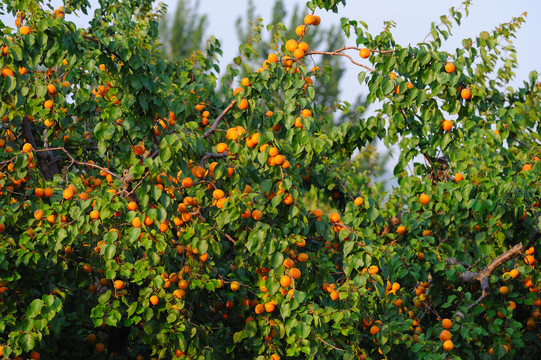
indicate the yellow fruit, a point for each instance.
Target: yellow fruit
{"x":300,"y":30}
{"x":447,"y":324}
{"x":24,"y":30}
{"x":449,"y":67}
{"x":364,"y":53}
{"x":448,"y":345}
{"x":424,"y":199}
{"x":291,"y":45}
{"x":235,"y":286}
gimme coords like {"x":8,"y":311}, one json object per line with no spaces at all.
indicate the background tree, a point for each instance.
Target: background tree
{"x":184,"y":32}
{"x":250,"y":31}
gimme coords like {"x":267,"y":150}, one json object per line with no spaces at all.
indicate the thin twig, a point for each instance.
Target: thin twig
{"x":213,"y":156}
{"x":230,"y":239}
{"x":82,"y":163}
{"x":334,"y":347}
{"x":337,"y":53}
{"x":128,"y":194}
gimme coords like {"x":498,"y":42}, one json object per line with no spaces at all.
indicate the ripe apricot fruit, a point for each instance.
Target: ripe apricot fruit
{"x":257,"y":214}
{"x":221,"y":147}
{"x":291,"y":45}
{"x":465,"y":94}
{"x":187,"y":183}
{"x":334,"y":217}
{"x":24,"y":30}
{"x":48,"y":104}
{"x":136,"y":222}
{"x":448,"y":345}
{"x":285,"y":281}
{"x":447,"y":125}
{"x":243,"y":104}
{"x":235,"y":286}
{"x":67,"y":194}
{"x":364,"y":53}
{"x":449,"y":67}
{"x":447,"y":324}
{"x":91,"y":338}
{"x":424,"y":199}
{"x":300,"y":30}
{"x":309,"y":19}
{"x":139,"y":149}
{"x":7,"y":72}
{"x":295,"y":273}
{"x":27,"y":148}
{"x":445,"y":335}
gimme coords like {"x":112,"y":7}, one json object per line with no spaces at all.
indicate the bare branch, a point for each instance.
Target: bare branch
{"x":338,"y":53}
{"x":213,"y":156}
{"x":218,"y":119}
{"x":46,"y":168}
{"x":326,"y":343}
{"x":81,"y":163}
{"x":483,"y":276}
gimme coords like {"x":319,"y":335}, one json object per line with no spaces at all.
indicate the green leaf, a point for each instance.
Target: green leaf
{"x":28,"y":341}
{"x":90,"y":65}
{"x":104,"y":297}
{"x":35,"y":308}
{"x":303,"y":330}
{"x":156,"y":193}
{"x":10,"y":83}
{"x":361,"y":77}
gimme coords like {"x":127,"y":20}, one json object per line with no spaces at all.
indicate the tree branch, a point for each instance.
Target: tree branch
{"x":43,"y":164}
{"x":218,"y":119}
{"x":483,"y":276}
{"x":326,"y":343}
{"x":338,"y":53}
{"x":213,"y":156}
{"x":81,"y":163}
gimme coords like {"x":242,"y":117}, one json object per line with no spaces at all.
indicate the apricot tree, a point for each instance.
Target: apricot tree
{"x":143,"y":213}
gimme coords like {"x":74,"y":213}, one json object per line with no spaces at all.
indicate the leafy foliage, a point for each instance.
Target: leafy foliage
{"x":144,"y":213}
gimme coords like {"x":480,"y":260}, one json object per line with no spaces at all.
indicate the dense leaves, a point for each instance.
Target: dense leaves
{"x":145,"y":213}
